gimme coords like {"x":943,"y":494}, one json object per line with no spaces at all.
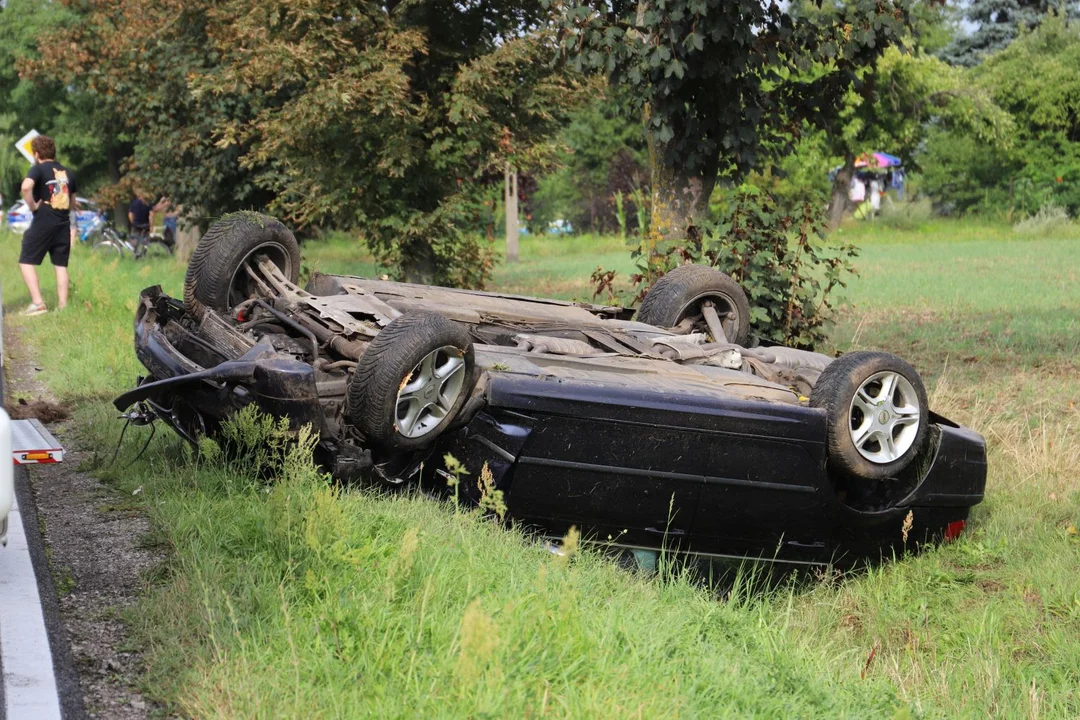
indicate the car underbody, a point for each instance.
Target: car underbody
{"x":641,"y":436}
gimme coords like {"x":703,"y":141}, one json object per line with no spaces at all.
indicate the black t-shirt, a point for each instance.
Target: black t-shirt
{"x":54,"y":187}
{"x":140,"y":213}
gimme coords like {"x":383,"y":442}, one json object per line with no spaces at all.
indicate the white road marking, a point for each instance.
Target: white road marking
{"x":29,"y":681}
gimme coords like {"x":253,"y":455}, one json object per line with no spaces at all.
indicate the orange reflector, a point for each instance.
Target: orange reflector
{"x":37,"y":456}
{"x":953,"y":529}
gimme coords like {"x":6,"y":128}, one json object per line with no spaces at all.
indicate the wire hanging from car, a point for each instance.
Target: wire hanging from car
{"x":140,"y":416}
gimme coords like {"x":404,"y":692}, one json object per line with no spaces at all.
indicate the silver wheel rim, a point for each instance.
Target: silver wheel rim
{"x":107,"y":246}
{"x":430,"y":392}
{"x":884,"y":417}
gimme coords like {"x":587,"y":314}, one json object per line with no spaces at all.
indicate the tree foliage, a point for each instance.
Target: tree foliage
{"x":384,"y":117}
{"x":603,"y":154}
{"x":901,"y":97}
{"x":1036,"y":80}
{"x":46,"y":106}
{"x":724,"y":83}
{"x":998,"y":23}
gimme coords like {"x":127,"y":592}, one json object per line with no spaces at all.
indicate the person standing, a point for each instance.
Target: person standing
{"x":170,"y":213}
{"x":140,"y":215}
{"x":49,"y":192}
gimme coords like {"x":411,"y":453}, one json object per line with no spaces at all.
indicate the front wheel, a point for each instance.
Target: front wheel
{"x":877,"y":414}
{"x":708,"y":300}
{"x":412,"y":381}
{"x":108,"y":247}
{"x":219,"y":274}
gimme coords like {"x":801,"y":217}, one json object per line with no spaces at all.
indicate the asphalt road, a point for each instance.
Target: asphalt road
{"x":39,"y":678}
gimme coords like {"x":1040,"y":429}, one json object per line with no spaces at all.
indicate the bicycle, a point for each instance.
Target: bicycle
{"x":109,"y":240}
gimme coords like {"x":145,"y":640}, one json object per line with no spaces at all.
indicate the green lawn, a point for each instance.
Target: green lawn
{"x":296,"y":599}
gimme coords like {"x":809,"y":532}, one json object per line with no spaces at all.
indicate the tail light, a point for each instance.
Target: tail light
{"x":953,"y":529}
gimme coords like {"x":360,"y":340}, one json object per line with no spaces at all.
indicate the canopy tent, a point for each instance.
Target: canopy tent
{"x":877,"y":160}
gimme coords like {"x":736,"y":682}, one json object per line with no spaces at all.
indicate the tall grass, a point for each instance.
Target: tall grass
{"x":284,"y":595}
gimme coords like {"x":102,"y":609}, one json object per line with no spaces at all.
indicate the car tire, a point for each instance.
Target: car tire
{"x":216,"y":278}
{"x":679,"y":294}
{"x":877,"y":414}
{"x":412,"y":381}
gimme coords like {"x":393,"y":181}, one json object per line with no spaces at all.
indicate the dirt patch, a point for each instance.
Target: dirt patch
{"x":95,"y":557}
{"x":43,"y":410}
{"x":990,"y":586}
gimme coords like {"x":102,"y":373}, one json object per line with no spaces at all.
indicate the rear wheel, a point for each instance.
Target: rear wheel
{"x":219,"y":273}
{"x":692,"y":293}
{"x":412,"y":381}
{"x":157,"y":248}
{"x":877,"y":414}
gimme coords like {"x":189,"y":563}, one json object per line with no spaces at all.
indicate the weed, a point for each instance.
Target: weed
{"x":1049,"y":220}
{"x":491,"y":498}
{"x":906,"y":216}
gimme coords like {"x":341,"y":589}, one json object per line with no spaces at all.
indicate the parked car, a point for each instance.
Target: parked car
{"x":19,"y":216}
{"x":669,"y":427}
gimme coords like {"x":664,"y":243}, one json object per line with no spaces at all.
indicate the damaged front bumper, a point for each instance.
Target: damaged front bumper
{"x":194,"y":399}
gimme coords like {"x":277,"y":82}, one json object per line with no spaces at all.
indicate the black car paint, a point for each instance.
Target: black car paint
{"x":632,"y":466}
{"x":705,"y":476}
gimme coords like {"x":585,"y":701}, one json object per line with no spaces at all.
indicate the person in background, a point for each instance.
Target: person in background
{"x":875,"y":195}
{"x":49,"y":193}
{"x":141,"y":219}
{"x":169,"y":219}
{"x":857,"y":193}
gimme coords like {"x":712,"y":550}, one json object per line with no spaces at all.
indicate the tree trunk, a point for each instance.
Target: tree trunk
{"x":511,"y":215}
{"x":187,"y":237}
{"x":840,"y":190}
{"x":114,"y":155}
{"x":680,"y":195}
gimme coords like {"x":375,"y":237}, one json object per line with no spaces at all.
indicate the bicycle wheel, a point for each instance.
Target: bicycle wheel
{"x":105,"y":246}
{"x":157,"y":249}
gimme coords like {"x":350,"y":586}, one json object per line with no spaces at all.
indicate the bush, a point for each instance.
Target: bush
{"x":906,"y":215}
{"x":1048,"y":220}
{"x":778,"y":257}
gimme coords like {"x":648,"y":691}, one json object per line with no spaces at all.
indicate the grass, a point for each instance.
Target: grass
{"x":295,"y":598}
{"x":551,"y":266}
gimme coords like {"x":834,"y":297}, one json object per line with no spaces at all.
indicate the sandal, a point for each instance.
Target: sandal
{"x":35,"y":309}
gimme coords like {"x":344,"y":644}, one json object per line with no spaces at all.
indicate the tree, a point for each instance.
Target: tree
{"x":48,"y":106}
{"x":1037,"y":81}
{"x":603,"y":153}
{"x":998,"y":23}
{"x":389,"y":118}
{"x":723,"y":84}
{"x":902,"y":94}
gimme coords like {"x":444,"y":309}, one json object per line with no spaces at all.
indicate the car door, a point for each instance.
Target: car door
{"x":625,"y":479}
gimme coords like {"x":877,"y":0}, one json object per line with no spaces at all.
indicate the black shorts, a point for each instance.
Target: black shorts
{"x":53,"y":241}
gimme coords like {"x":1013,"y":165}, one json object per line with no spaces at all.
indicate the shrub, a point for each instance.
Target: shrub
{"x":1049,"y":219}
{"x":778,"y":257}
{"x":906,"y":215}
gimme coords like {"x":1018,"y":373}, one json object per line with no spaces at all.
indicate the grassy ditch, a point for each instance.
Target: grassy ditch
{"x":284,"y":596}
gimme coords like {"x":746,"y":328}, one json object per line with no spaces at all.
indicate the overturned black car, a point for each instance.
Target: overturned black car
{"x":669,"y":428}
